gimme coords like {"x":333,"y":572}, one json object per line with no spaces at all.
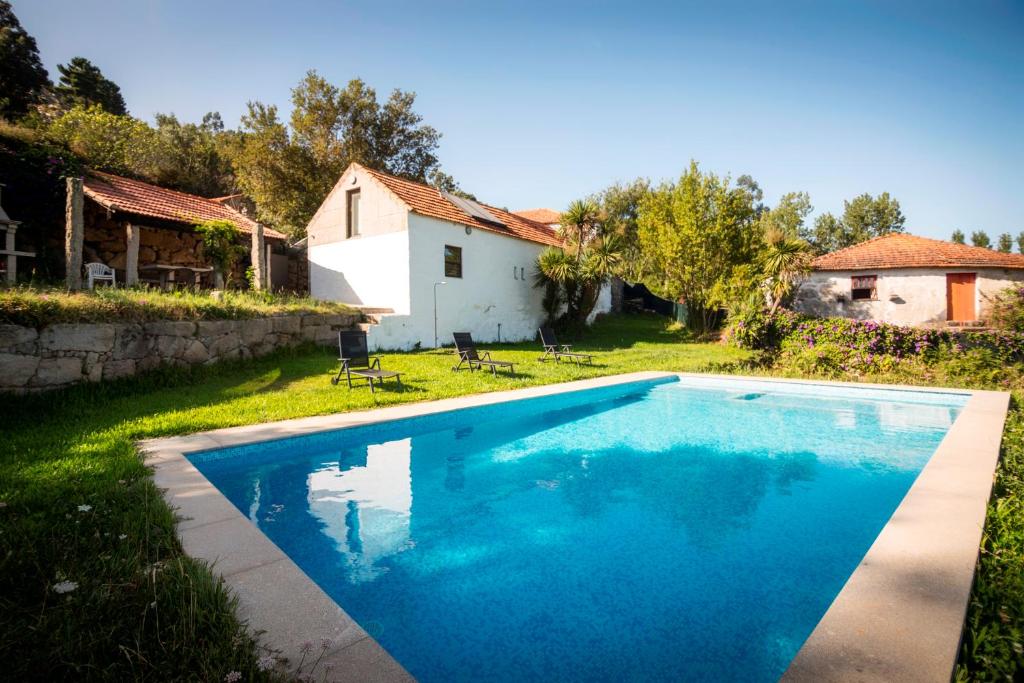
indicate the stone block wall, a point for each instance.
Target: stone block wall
{"x":64,"y":354}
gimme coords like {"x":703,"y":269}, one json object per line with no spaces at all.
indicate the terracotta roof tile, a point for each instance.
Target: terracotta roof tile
{"x":134,"y":196}
{"x":900,"y":250}
{"x":545,"y":216}
{"x":428,"y":201}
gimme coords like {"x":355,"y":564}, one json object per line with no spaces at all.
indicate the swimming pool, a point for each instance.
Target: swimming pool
{"x":666,"y":529}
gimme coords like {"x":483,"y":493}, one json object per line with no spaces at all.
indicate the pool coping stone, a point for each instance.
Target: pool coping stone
{"x":899,"y":617}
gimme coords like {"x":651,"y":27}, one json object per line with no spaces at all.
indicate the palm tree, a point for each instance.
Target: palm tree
{"x":784,"y":263}
{"x":573,"y":274}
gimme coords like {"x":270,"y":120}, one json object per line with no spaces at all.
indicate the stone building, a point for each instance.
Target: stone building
{"x":147,"y":233}
{"x":908,"y":280}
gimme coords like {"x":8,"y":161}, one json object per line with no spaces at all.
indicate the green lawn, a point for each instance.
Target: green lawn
{"x":77,"y":505}
{"x":140,"y":608}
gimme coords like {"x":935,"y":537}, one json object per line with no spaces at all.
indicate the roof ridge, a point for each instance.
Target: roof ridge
{"x":906,"y":250}
{"x":455,"y":214}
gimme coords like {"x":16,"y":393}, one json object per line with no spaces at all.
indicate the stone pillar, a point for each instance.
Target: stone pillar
{"x":12,"y":260}
{"x":74,"y":229}
{"x":269,"y":275}
{"x":131,"y":266}
{"x":259,"y":258}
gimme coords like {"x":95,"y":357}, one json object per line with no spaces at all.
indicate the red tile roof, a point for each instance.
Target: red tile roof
{"x":546,"y":216}
{"x":134,"y":196}
{"x":428,"y":201}
{"x":900,"y":250}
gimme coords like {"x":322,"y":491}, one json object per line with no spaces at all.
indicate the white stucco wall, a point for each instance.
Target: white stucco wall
{"x":496,"y":287}
{"x":365,"y":271}
{"x":905,"y":296}
{"x":399,"y":255}
{"x":369,"y":269}
{"x":381,"y":212}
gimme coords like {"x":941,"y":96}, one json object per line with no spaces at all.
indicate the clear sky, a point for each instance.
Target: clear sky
{"x":543,"y":102}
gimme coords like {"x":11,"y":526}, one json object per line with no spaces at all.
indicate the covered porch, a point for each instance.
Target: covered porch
{"x":146,"y":235}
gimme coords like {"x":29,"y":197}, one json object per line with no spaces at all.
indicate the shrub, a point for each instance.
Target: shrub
{"x":867,"y":340}
{"x":1006,"y":309}
{"x":754,"y":328}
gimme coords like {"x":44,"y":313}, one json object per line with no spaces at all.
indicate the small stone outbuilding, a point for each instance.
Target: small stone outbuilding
{"x":146,"y":233}
{"x":908,"y":280}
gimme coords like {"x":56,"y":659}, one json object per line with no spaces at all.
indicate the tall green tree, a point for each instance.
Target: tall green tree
{"x":620,"y":207}
{"x":788,"y":217}
{"x":864,"y":217}
{"x":958,"y":237}
{"x":1020,"y":242}
{"x":980,"y":238}
{"x":574,"y":274}
{"x":23,"y":80}
{"x":191,"y":158}
{"x":1005,"y":243}
{"x":287,"y":169}
{"x":83,"y":84}
{"x":694,"y":233}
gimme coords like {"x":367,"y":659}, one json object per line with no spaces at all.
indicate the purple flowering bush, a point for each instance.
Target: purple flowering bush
{"x":837,"y":346}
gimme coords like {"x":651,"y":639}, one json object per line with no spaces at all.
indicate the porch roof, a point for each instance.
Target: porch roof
{"x":119,"y":194}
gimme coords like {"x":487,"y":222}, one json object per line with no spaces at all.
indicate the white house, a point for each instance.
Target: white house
{"x":908,"y":280}
{"x":383,"y":242}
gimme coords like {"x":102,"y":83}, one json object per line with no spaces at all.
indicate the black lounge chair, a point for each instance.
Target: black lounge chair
{"x":552,"y":349}
{"x":356,"y":361}
{"x":466,"y":349}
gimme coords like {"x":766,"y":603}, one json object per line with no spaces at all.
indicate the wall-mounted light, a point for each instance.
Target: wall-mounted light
{"x":469,"y":230}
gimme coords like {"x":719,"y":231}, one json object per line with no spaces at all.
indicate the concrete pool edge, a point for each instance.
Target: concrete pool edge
{"x":898,"y":617}
{"x":275,"y":597}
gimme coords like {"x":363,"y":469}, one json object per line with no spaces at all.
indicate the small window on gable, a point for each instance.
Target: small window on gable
{"x":452,"y":261}
{"x":862,"y":287}
{"x":352,"y":207}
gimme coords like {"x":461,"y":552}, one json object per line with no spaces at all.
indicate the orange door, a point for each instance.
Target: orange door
{"x":960,"y":297}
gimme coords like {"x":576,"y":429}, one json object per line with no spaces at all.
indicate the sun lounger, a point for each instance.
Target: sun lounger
{"x":468,"y":355}
{"x":356,"y":361}
{"x":552,"y":349}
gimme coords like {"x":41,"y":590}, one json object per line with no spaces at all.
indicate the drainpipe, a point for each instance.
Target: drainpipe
{"x":435,"y":310}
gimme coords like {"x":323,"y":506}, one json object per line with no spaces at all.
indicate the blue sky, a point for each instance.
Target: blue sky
{"x":544,"y":102}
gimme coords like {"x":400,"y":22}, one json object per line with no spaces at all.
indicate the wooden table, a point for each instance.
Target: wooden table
{"x":167,"y":273}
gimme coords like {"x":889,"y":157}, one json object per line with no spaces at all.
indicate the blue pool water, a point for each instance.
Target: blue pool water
{"x":667,"y":530}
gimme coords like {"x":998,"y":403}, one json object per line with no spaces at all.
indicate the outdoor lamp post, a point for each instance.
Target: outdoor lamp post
{"x":435,"y":310}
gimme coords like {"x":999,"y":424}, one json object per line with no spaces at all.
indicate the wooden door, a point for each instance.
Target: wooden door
{"x":960,"y":297}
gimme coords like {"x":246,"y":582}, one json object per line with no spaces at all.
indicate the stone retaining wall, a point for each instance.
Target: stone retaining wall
{"x":65,"y":354}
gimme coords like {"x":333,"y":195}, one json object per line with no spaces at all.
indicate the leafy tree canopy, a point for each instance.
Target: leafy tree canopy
{"x":23,"y":80}
{"x":619,"y":206}
{"x":980,"y":238}
{"x":191,"y":158}
{"x":287,"y":169}
{"x":864,"y":217}
{"x":83,"y":84}
{"x":958,"y":237}
{"x":105,"y":141}
{"x":1020,"y":242}
{"x":694,"y":234}
{"x":1005,"y":243}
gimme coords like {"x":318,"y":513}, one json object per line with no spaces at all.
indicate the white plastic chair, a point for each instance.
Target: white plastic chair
{"x":100,"y":272}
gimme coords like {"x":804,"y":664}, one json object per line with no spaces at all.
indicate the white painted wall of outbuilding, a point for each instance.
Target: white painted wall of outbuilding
{"x":905,"y":296}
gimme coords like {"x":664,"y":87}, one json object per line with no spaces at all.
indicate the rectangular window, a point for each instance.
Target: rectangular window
{"x":452,"y":261}
{"x":352,"y":198}
{"x":862,"y":287}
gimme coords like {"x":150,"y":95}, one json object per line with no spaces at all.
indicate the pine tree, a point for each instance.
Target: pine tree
{"x":23,"y":80}
{"x":82,"y":83}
